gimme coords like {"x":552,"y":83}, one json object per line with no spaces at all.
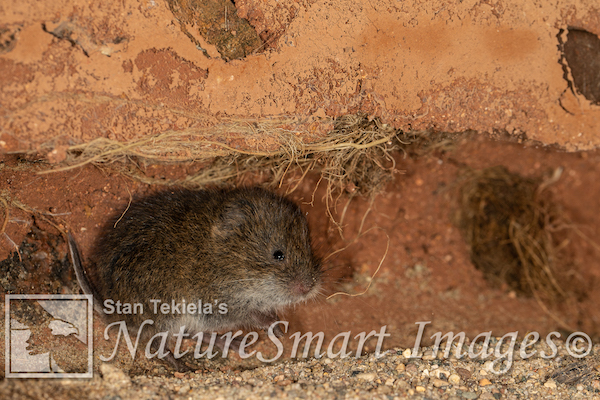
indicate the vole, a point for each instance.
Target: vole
{"x":247,"y":248}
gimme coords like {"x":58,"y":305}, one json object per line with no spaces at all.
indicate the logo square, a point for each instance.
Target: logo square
{"x":48,"y":336}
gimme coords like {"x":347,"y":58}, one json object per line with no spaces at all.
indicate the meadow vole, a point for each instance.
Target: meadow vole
{"x":247,"y":249}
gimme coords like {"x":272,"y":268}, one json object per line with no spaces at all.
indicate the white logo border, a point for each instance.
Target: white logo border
{"x":7,"y":333}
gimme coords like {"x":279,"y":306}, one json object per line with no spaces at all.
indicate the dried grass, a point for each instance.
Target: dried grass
{"x":355,"y":155}
{"x":511,"y":226}
{"x":7,"y":203}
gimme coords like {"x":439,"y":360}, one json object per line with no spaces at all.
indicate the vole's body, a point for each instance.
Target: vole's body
{"x":246,"y":248}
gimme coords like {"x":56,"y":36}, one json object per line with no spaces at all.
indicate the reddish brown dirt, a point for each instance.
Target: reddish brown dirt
{"x":75,"y":71}
{"x":427,"y":274}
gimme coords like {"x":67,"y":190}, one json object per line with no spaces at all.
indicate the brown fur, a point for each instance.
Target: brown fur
{"x":208,"y":245}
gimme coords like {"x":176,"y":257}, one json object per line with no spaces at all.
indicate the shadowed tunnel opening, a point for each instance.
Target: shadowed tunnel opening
{"x":581,"y":54}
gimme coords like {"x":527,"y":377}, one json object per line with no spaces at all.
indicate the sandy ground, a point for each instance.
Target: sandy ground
{"x":392,"y":376}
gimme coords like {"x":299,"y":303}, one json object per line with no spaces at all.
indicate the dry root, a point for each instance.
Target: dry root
{"x":356,"y":155}
{"x":514,"y":231}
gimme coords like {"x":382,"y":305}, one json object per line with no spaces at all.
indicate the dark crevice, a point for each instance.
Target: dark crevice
{"x":63,"y":32}
{"x":580,"y":60}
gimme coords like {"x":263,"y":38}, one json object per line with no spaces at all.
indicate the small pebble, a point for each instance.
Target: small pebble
{"x":464,"y":373}
{"x":440,"y":383}
{"x":367,"y":376}
{"x":550,"y":384}
{"x":420,"y":389}
{"x":488,"y":366}
{"x":484,"y":382}
{"x":454,"y":379}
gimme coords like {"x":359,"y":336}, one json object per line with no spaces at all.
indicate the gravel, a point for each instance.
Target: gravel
{"x":393,"y":375}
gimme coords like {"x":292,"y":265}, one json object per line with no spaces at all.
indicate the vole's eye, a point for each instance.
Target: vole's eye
{"x":278,"y":255}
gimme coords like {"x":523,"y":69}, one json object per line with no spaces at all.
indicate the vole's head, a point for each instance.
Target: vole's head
{"x":264,"y":243}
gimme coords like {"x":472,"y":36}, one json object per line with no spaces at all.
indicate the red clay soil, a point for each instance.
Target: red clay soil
{"x":426,"y":276}
{"x":74,"y":71}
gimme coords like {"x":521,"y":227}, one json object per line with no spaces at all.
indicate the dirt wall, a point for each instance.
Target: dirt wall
{"x":73,"y":70}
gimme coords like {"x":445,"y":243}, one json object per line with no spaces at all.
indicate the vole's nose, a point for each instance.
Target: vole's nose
{"x":301,"y":287}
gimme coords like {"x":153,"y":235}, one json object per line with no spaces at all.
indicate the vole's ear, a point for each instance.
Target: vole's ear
{"x":232,"y":218}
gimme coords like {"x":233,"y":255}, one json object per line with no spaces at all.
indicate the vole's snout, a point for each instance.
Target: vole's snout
{"x":302,"y":286}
